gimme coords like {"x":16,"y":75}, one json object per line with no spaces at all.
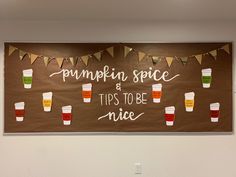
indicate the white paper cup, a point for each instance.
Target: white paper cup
{"x":206,"y":72}
{"x":47,"y":96}
{"x":157,"y":88}
{"x":189,"y":97}
{"x":66,"y":109}
{"x":215,"y":107}
{"x":28,"y":73}
{"x":170,"y":110}
{"x":87,"y":87}
{"x":19,"y":106}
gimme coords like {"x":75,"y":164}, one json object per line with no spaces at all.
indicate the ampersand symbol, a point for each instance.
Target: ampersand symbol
{"x":118,"y":86}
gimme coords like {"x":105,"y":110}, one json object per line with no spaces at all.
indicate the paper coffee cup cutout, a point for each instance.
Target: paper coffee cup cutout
{"x":215,"y":112}
{"x":156,"y":93}
{"x":206,"y":78}
{"x":189,"y":101}
{"x":27,"y":78}
{"x":20,"y":111}
{"x":170,"y":115}
{"x":67,"y":114}
{"x":47,"y":101}
{"x":87,"y":92}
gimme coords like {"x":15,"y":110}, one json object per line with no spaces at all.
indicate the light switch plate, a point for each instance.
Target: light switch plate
{"x":138,"y":168}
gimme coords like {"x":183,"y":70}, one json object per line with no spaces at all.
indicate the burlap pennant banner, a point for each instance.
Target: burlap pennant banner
{"x":46,"y":61}
{"x":22,"y":54}
{"x":98,"y":55}
{"x":141,"y":56}
{"x":127,"y":50}
{"x":11,"y":50}
{"x":184,"y":60}
{"x":110,"y":50}
{"x":213,"y":53}
{"x":169,"y":60}
{"x":73,"y":60}
{"x":33,"y":57}
{"x":226,"y":48}
{"x":156,"y":59}
{"x":60,"y":61}
{"x":199,"y":58}
{"x":85,"y":59}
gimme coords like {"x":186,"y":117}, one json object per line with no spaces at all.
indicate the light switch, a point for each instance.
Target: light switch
{"x":138,"y":168}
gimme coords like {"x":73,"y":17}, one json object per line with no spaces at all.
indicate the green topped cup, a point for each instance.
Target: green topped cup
{"x":206,"y":78}
{"x":27,"y":78}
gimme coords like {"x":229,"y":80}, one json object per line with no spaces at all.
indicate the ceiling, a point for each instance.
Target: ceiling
{"x":115,"y":10}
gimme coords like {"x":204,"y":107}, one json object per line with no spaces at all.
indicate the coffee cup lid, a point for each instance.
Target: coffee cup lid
{"x":207,"y":70}
{"x":28,"y":71}
{"x":20,"y":104}
{"x":189,"y":94}
{"x":47,"y":94}
{"x":67,"y":107}
{"x":156,"y":85}
{"x":215,"y":104}
{"x":169,"y":108}
{"x":87,"y":85}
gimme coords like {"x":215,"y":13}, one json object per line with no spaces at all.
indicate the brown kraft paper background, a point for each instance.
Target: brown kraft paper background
{"x":85,"y":116}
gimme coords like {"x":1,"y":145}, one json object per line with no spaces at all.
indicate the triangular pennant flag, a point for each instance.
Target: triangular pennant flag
{"x":60,"y":61}
{"x":85,"y":59}
{"x":98,"y":55}
{"x":184,"y":60}
{"x":226,"y":48}
{"x":199,"y":58}
{"x":110,"y":50}
{"x":156,"y":59}
{"x":76,"y":60}
{"x":11,"y":49}
{"x":141,"y":55}
{"x":46,"y":61}
{"x":126,"y":50}
{"x":72,"y":60}
{"x":22,"y":54}
{"x":169,"y":60}
{"x":33,"y":57}
{"x":213,"y":53}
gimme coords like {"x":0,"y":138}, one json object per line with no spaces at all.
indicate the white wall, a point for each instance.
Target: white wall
{"x":115,"y":155}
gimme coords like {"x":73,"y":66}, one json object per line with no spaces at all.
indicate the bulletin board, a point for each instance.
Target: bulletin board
{"x":117,"y":87}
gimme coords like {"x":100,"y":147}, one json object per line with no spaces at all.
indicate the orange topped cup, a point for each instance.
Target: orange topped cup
{"x":87,"y":92}
{"x":156,"y":93}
